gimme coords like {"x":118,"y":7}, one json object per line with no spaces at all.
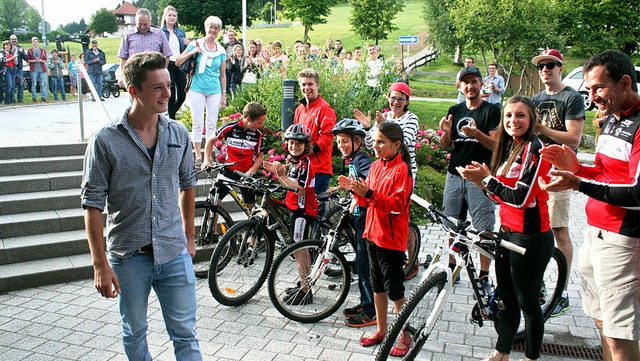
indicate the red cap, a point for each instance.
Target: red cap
{"x":400,"y":87}
{"x":549,"y":54}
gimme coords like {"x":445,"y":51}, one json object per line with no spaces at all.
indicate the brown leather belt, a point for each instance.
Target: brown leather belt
{"x":147,"y":249}
{"x":506,"y":229}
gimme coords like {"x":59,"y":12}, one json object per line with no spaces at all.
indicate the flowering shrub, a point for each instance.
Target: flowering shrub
{"x":428,"y":151}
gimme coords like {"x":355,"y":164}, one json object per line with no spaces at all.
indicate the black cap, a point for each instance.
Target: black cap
{"x":94,"y":41}
{"x":469,"y":70}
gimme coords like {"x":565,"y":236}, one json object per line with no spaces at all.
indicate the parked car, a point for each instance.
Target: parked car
{"x":575,"y":80}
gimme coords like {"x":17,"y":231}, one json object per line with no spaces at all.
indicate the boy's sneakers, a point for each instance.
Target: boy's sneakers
{"x":360,"y":320}
{"x":298,"y":298}
{"x":352,"y":311}
{"x":413,"y":271}
{"x":562,"y":306}
{"x":486,"y":285}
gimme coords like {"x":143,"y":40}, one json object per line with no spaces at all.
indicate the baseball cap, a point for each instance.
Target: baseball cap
{"x":94,"y":41}
{"x":469,"y":70}
{"x":549,"y":54}
{"x":400,"y":87}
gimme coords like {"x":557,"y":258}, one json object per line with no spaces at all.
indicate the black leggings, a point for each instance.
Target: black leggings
{"x":178,"y":95}
{"x":519,"y":283}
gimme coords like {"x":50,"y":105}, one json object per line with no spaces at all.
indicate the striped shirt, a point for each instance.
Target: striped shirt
{"x":141,"y":192}
{"x":135,"y":42}
{"x":409,"y":124}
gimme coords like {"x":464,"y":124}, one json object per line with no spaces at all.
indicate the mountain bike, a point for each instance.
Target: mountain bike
{"x":242,"y":258}
{"x":212,"y":220}
{"x":332,"y":262}
{"x":423,"y":307}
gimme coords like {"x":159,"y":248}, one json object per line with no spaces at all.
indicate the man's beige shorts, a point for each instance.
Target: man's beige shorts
{"x":609,"y":264}
{"x":559,"y":205}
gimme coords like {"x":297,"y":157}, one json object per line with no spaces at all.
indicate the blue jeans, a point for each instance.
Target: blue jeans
{"x":322,"y":184}
{"x":44,"y":87}
{"x":174,"y":284}
{"x":57,"y":83}
{"x":20,"y":83}
{"x":362,"y":266}
{"x":10,"y":80}
{"x":96,"y":79}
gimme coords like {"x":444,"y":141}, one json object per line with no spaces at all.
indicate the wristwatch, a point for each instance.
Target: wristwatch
{"x":486,"y":180}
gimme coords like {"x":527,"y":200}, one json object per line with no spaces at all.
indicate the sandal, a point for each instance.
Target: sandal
{"x":400,"y":352}
{"x":497,"y":356}
{"x":373,"y":340}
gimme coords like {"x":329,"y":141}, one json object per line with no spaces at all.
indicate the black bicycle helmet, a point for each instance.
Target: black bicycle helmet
{"x":349,"y":126}
{"x":297,"y":131}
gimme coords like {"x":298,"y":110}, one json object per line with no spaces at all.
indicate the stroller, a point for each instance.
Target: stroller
{"x":110,"y":85}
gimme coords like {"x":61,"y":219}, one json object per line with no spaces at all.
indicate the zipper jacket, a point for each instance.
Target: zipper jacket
{"x":320,"y":118}
{"x":387,"y":202}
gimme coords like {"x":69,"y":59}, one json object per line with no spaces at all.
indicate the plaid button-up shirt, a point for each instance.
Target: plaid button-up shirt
{"x":135,"y":42}
{"x":141,"y":193}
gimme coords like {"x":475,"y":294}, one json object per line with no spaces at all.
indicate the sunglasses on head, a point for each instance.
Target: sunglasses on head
{"x":549,"y":66}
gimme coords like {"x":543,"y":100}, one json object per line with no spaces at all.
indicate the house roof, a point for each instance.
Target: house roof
{"x":126,"y":9}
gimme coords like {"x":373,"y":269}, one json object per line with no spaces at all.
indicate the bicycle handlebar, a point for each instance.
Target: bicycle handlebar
{"x":512,"y":247}
{"x":246,"y":177}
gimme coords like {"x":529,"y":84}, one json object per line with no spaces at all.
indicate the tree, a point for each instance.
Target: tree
{"x":32,"y":19}
{"x":372,"y":19}
{"x":594,"y":26}
{"x":103,"y":21}
{"x":192,"y":14}
{"x":500,"y":29}
{"x":11,"y":15}
{"x":309,"y":12}
{"x":74,"y":28}
{"x":442,"y":34}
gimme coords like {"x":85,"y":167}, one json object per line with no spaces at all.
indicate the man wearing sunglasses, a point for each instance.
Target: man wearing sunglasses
{"x":560,"y":113}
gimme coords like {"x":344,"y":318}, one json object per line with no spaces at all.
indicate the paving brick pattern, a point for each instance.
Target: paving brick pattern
{"x":72,"y":322}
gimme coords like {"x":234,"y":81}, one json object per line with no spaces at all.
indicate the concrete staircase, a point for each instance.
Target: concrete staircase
{"x":42,"y":238}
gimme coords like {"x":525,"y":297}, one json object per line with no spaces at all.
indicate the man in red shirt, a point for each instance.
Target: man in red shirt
{"x":609,"y":259}
{"x":317,"y":115}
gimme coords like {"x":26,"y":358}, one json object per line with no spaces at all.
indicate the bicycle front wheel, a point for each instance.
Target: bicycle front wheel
{"x":416,"y":316}
{"x":240,"y":263}
{"x":208,"y":233}
{"x":325,"y":291}
{"x":413,"y":247}
{"x":553,"y":283}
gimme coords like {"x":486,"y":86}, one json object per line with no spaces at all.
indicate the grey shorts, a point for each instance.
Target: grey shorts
{"x":609,"y":264}
{"x":462,"y":196}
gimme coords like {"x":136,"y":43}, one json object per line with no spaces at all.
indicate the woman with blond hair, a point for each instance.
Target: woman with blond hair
{"x":208,"y":85}
{"x":178,"y":42}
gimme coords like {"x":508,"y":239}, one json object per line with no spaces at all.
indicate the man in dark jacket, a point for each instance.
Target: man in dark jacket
{"x":95,"y":59}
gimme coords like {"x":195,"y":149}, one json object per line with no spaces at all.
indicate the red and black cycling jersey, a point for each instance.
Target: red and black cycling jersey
{"x":613,"y":182}
{"x":301,"y":172}
{"x":243,"y":146}
{"x":523,"y":205}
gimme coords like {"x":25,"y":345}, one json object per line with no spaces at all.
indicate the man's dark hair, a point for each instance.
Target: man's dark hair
{"x":253,"y":111}
{"x":472,"y":59}
{"x":137,"y":66}
{"x":616,"y":63}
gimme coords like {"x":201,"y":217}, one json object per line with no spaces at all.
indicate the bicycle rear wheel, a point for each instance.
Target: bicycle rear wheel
{"x":240,"y":263}
{"x":554,"y":280}
{"x":208,"y":234}
{"x":413,"y":247}
{"x":328,"y":292}
{"x":418,"y":310}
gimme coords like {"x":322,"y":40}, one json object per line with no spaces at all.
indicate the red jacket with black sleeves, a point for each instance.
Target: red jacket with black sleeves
{"x":523,"y":205}
{"x":387,"y":203}
{"x":320,"y":118}
{"x":613,"y":182}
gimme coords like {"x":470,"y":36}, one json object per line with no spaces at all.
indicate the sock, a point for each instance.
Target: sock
{"x":452,"y":266}
{"x":484,"y":274}
{"x":565,"y":294}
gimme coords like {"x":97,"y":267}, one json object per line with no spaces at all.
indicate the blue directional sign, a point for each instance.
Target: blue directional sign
{"x":408,"y":40}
